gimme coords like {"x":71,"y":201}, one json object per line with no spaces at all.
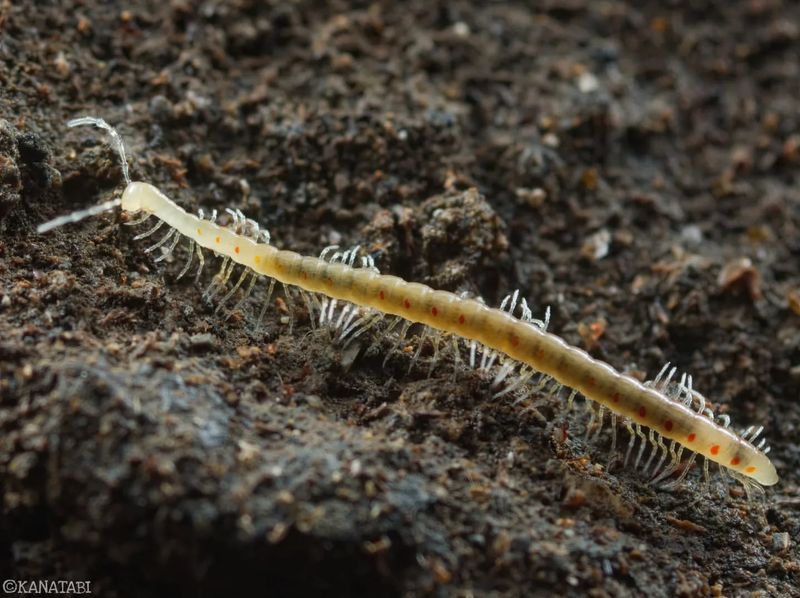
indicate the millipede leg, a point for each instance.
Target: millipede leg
{"x":437,"y":337}
{"x":642,"y":444}
{"x":613,"y":452}
{"x":138,"y":221}
{"x":163,"y":240}
{"x":220,"y":280}
{"x":675,"y":483}
{"x":555,"y":389}
{"x":652,"y":439}
{"x":170,"y":249}
{"x":492,"y":358}
{"x":663,"y":448}
{"x":247,"y":291}
{"x":590,"y":408}
{"x":670,"y":468}
{"x":523,"y":378}
{"x":202,"y":262}
{"x":346,"y":315}
{"x":315,"y":304}
{"x":215,"y":280}
{"x":486,"y":354}
{"x":422,"y":339}
{"x":542,"y":382}
{"x":229,"y":294}
{"x":309,"y":307}
{"x":456,"y":350}
{"x":571,"y":399}
{"x":267,"y":297}
{"x":323,"y":311}
{"x":505,"y":369}
{"x":631,"y":442}
{"x":289,"y":305}
{"x":146,"y":234}
{"x":393,"y":322}
{"x":361,"y":326}
{"x":600,"y":413}
{"x":349,"y":326}
{"x":188,"y":261}
{"x":401,"y":337}
{"x":331,"y":310}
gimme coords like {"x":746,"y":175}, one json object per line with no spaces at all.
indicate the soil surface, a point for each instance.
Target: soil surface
{"x":634,"y":165}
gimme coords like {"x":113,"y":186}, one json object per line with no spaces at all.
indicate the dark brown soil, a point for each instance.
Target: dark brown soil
{"x":633,"y":165}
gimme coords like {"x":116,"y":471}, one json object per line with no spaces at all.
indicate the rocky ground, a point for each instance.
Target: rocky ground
{"x":632,"y":165}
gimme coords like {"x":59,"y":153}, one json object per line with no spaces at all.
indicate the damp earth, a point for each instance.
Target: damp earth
{"x":633,"y":165}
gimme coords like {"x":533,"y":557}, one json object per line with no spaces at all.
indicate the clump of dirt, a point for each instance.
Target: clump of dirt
{"x":632,"y":165}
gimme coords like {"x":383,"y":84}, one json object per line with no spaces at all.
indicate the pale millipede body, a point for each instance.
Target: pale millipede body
{"x":671,"y":411}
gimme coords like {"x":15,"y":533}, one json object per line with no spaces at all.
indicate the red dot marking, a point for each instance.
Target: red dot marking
{"x":642,"y":411}
{"x":434,"y":311}
{"x":382,"y":295}
{"x":407,"y":303}
{"x":750,"y":469}
{"x":461,"y":319}
{"x":715,"y":449}
{"x":237,"y":249}
{"x":691,"y":437}
{"x":514,"y":340}
{"x":615,"y":397}
{"x":304,"y":275}
{"x":668,"y":425}
{"x":591,"y":382}
{"x":736,"y":461}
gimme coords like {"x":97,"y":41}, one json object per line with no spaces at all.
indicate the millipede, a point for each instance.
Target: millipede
{"x":344,"y":291}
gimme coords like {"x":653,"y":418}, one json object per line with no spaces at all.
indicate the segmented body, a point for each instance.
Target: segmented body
{"x":671,"y":416}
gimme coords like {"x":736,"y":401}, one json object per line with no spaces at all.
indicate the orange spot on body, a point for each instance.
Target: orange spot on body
{"x":514,"y":340}
{"x":668,"y":425}
{"x":329,"y":281}
{"x":199,"y":232}
{"x":736,"y":461}
{"x":714,"y":449}
{"x":304,"y":275}
{"x":237,"y":249}
{"x":691,"y":437}
{"x":615,"y":398}
{"x":750,"y":469}
{"x":217,"y":240}
{"x":382,"y":295}
{"x":591,"y":382}
{"x":434,"y":311}
{"x":461,"y":319}
{"x":407,"y":303}
{"x":257,"y":259}
{"x":642,"y":411}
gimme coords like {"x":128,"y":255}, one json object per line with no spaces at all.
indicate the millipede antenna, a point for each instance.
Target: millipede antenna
{"x":119,"y":147}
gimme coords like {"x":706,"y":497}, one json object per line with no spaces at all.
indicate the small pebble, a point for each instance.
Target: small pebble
{"x":202,"y":341}
{"x":692,"y":234}
{"x":587,"y":83}
{"x":780,"y":542}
